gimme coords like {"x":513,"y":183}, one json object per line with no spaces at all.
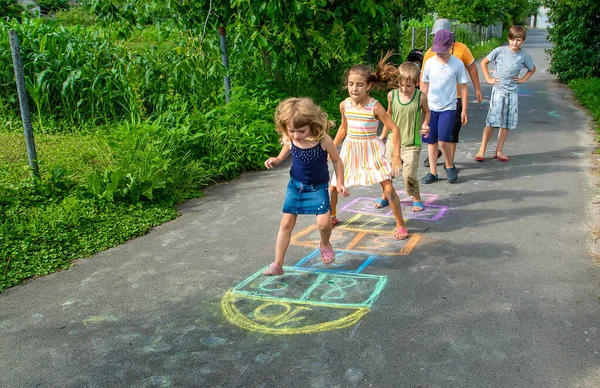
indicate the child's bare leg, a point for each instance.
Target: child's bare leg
{"x":324,"y":225}
{"x":502,"y":135}
{"x":392,"y":196}
{"x":485,"y":139}
{"x":453,"y":150}
{"x":447,"y":152}
{"x":288,"y":221}
{"x":333,"y":199}
{"x":432,"y":153}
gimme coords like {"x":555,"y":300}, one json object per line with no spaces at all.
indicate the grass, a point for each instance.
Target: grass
{"x":587,"y":92}
{"x":47,"y":223}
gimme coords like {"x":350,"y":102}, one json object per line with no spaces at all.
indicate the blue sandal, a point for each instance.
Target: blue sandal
{"x":419,"y":205}
{"x":381,"y":203}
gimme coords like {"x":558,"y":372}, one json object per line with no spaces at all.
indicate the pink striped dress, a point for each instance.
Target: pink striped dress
{"x":362,"y":152}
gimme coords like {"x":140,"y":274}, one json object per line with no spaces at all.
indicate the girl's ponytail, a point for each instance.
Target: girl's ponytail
{"x":386,"y":73}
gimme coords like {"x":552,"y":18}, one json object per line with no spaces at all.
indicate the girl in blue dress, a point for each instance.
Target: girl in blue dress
{"x":303,"y":128}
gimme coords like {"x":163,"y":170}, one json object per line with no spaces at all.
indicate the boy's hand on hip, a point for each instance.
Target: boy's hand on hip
{"x":492,"y":81}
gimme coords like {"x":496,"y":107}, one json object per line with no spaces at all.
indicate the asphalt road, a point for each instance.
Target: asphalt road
{"x":493,"y":289}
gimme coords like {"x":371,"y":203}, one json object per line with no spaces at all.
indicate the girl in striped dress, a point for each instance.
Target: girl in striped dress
{"x":362,"y":152}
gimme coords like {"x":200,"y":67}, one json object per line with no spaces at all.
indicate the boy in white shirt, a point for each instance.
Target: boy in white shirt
{"x":440,"y":76}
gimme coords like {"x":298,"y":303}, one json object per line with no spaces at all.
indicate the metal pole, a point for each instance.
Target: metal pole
{"x":426,"y":38}
{"x":225,"y":62}
{"x":24,"y":103}
{"x":412,"y":47}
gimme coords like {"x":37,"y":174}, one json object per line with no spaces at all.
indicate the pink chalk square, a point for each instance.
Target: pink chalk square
{"x":364,"y":206}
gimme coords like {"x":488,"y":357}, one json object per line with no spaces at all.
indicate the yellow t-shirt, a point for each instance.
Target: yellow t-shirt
{"x":459,"y":50}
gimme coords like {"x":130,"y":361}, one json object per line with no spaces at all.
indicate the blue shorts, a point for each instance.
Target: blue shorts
{"x":440,"y":127}
{"x":301,"y":198}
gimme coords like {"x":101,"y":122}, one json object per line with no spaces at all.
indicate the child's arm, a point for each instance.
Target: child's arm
{"x":338,"y":165}
{"x":472,"y":70}
{"x":525,"y":77}
{"x":424,"y":87}
{"x":272,"y":161}
{"x":426,"y":115}
{"x":464,"y":95}
{"x":386,"y":130}
{"x":343,"y":129}
{"x":486,"y":72}
{"x":387,"y":120}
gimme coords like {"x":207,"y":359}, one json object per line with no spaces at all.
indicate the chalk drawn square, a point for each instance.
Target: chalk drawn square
{"x":291,"y":285}
{"x":360,"y":234}
{"x":364,"y":207}
{"x":345,"y":262}
{"x":316,"y":288}
{"x":357,"y":290}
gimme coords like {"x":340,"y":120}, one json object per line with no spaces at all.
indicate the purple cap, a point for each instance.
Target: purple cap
{"x":442,"y":41}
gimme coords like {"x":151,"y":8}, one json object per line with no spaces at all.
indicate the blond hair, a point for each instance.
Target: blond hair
{"x":383,"y":76}
{"x":297,"y":113}
{"x":408,"y":72}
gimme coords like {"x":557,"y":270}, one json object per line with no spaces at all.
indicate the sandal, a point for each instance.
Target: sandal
{"x":334,"y":221}
{"x":273,"y":270}
{"x":502,"y":158}
{"x":479,"y":158}
{"x":429,"y":178}
{"x":381,"y":203}
{"x":327,"y":254}
{"x":400,"y":234}
{"x":419,"y":205}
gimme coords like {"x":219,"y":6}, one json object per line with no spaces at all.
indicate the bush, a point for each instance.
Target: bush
{"x":573,"y":31}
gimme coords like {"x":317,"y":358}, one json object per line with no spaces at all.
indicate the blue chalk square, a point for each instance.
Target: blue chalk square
{"x":345,"y":262}
{"x":298,"y":285}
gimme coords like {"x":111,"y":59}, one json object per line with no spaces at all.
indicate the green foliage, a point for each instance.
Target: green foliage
{"x":574,"y":34}
{"x":10,"y":9}
{"x":587,"y":92}
{"x":53,"y":5}
{"x":485,"y":12}
{"x":37,"y":238}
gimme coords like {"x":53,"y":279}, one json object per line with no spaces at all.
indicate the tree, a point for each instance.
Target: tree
{"x":573,"y":30}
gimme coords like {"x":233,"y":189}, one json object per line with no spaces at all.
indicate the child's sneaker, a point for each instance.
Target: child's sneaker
{"x":429,"y":178}
{"x":452,"y":174}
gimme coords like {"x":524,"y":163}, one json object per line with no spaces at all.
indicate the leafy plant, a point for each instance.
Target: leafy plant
{"x":573,"y":31}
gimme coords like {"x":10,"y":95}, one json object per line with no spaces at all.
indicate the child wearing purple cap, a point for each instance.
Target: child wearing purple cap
{"x":440,"y":76}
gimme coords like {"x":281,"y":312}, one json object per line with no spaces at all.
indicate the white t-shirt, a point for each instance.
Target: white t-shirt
{"x":442,"y":79}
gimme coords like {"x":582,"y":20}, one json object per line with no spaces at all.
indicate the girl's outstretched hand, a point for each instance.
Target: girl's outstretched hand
{"x":271,"y":162}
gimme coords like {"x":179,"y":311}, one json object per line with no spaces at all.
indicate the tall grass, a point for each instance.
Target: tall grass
{"x":81,"y":75}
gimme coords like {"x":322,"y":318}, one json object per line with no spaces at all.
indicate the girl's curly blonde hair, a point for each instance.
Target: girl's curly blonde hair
{"x":299,"y":112}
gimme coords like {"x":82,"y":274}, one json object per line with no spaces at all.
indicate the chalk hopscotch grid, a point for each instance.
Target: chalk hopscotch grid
{"x":322,"y":277}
